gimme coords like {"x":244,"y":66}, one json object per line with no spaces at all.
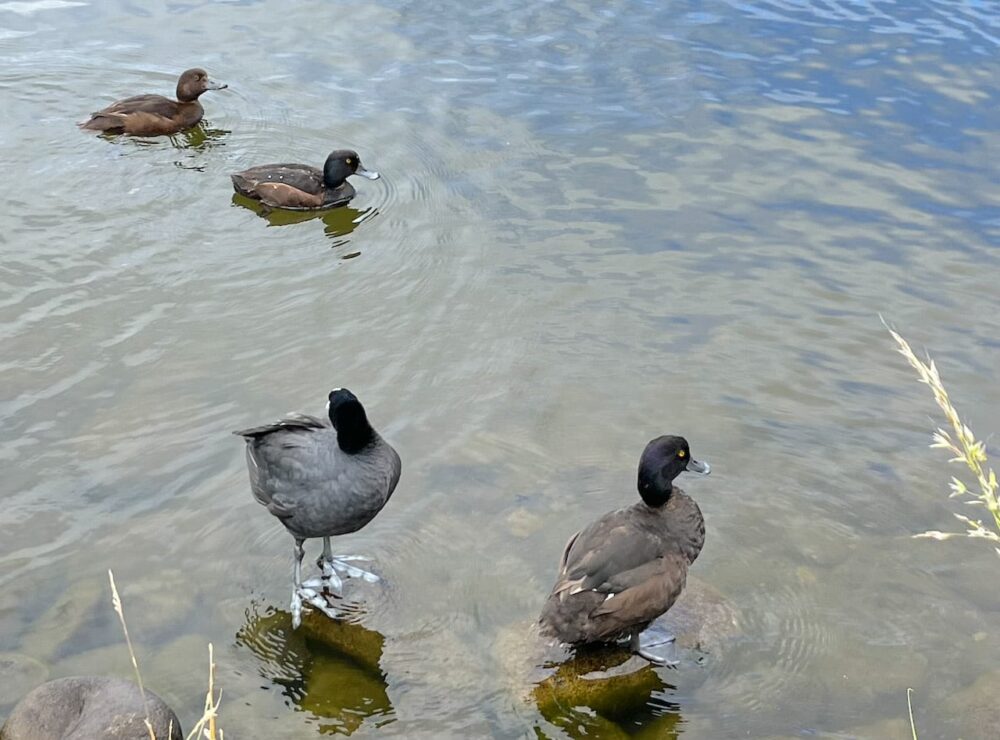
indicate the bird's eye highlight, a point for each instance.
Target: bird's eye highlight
{"x":682,"y":453}
{"x":350,"y":161}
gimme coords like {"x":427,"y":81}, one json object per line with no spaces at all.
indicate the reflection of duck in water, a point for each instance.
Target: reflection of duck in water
{"x":623,"y":571}
{"x":301,"y":186}
{"x":328,"y":668}
{"x":605,"y":693}
{"x":320,"y":478}
{"x":337,"y":222}
{"x":199,"y":138}
{"x":156,"y":115}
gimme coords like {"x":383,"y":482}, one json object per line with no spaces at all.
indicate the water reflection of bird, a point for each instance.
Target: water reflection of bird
{"x":627,"y":568}
{"x":337,"y":222}
{"x":328,"y":668}
{"x":603,"y":693}
{"x":322,"y":478}
{"x":199,"y":138}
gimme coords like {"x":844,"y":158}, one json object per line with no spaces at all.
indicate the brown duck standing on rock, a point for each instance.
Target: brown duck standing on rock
{"x":156,"y":115}
{"x":302,"y":187}
{"x":628,"y":567}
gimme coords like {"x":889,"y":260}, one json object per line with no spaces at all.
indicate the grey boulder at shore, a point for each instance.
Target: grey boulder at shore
{"x":89,"y":708}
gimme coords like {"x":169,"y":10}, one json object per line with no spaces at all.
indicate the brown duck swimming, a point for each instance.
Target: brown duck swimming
{"x":300,"y":186}
{"x":156,"y":115}
{"x":628,"y":567}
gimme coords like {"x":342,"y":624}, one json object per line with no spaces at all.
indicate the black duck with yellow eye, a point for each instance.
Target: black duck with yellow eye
{"x":301,"y":187}
{"x":627,"y":568}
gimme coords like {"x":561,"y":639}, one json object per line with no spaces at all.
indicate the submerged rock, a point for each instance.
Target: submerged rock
{"x":608,"y":681}
{"x":273,"y":639}
{"x":702,"y":618}
{"x":90,"y":708}
{"x":329,"y":668}
{"x":19,"y":671}
{"x":976,"y":706}
{"x":602,"y":690}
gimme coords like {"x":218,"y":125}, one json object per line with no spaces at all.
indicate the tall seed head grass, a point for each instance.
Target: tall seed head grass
{"x":206,"y":727}
{"x":965,"y":449}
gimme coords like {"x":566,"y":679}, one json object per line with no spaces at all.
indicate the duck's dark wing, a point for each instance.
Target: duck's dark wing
{"x":151,"y":108}
{"x":610,"y":547}
{"x":155,"y":104}
{"x":277,"y":454}
{"x":615,"y":577}
{"x":298,"y":176}
{"x":639,"y":596}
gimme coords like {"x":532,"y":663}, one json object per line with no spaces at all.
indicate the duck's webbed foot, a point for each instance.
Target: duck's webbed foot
{"x":329,"y":581}
{"x":343,"y":565}
{"x":335,"y":566}
{"x":644,"y":648}
{"x":305,"y":594}
{"x":311,"y":592}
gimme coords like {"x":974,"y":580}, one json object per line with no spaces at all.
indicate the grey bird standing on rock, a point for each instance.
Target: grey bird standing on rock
{"x":322,"y":478}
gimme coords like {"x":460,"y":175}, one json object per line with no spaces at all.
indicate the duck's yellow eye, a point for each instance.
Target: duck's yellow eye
{"x":682,"y":453}
{"x":350,"y":161}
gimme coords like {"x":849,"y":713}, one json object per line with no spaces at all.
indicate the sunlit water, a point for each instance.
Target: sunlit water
{"x":596,"y":223}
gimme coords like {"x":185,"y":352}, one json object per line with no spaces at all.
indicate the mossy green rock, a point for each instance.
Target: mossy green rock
{"x":329,"y":667}
{"x":607,"y":680}
{"x":353,"y":641}
{"x":591,"y":691}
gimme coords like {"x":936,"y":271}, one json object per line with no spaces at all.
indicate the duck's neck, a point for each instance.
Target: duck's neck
{"x":655,"y":497}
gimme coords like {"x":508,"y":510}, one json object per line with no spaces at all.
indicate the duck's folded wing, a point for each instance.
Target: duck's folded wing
{"x":299,"y":176}
{"x":641,"y":595}
{"x":155,"y":104}
{"x":606,"y":549}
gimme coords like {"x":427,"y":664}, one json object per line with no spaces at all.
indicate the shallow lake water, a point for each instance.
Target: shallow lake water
{"x":596,"y":223}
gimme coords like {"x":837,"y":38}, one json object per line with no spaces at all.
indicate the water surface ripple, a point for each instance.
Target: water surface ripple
{"x":595,"y":224}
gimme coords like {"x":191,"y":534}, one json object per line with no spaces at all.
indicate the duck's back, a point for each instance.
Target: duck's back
{"x":299,"y":176}
{"x":145,"y":114}
{"x":158,"y":104}
{"x":623,"y":571}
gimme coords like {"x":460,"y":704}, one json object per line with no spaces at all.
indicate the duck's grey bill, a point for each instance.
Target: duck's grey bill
{"x":702,"y":468}
{"x":366,"y":173}
{"x":213,"y":85}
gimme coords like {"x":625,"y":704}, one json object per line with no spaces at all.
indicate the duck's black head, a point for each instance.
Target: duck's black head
{"x":663,"y":460}
{"x":340,"y":165}
{"x":348,"y":417}
{"x":194,"y":82}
